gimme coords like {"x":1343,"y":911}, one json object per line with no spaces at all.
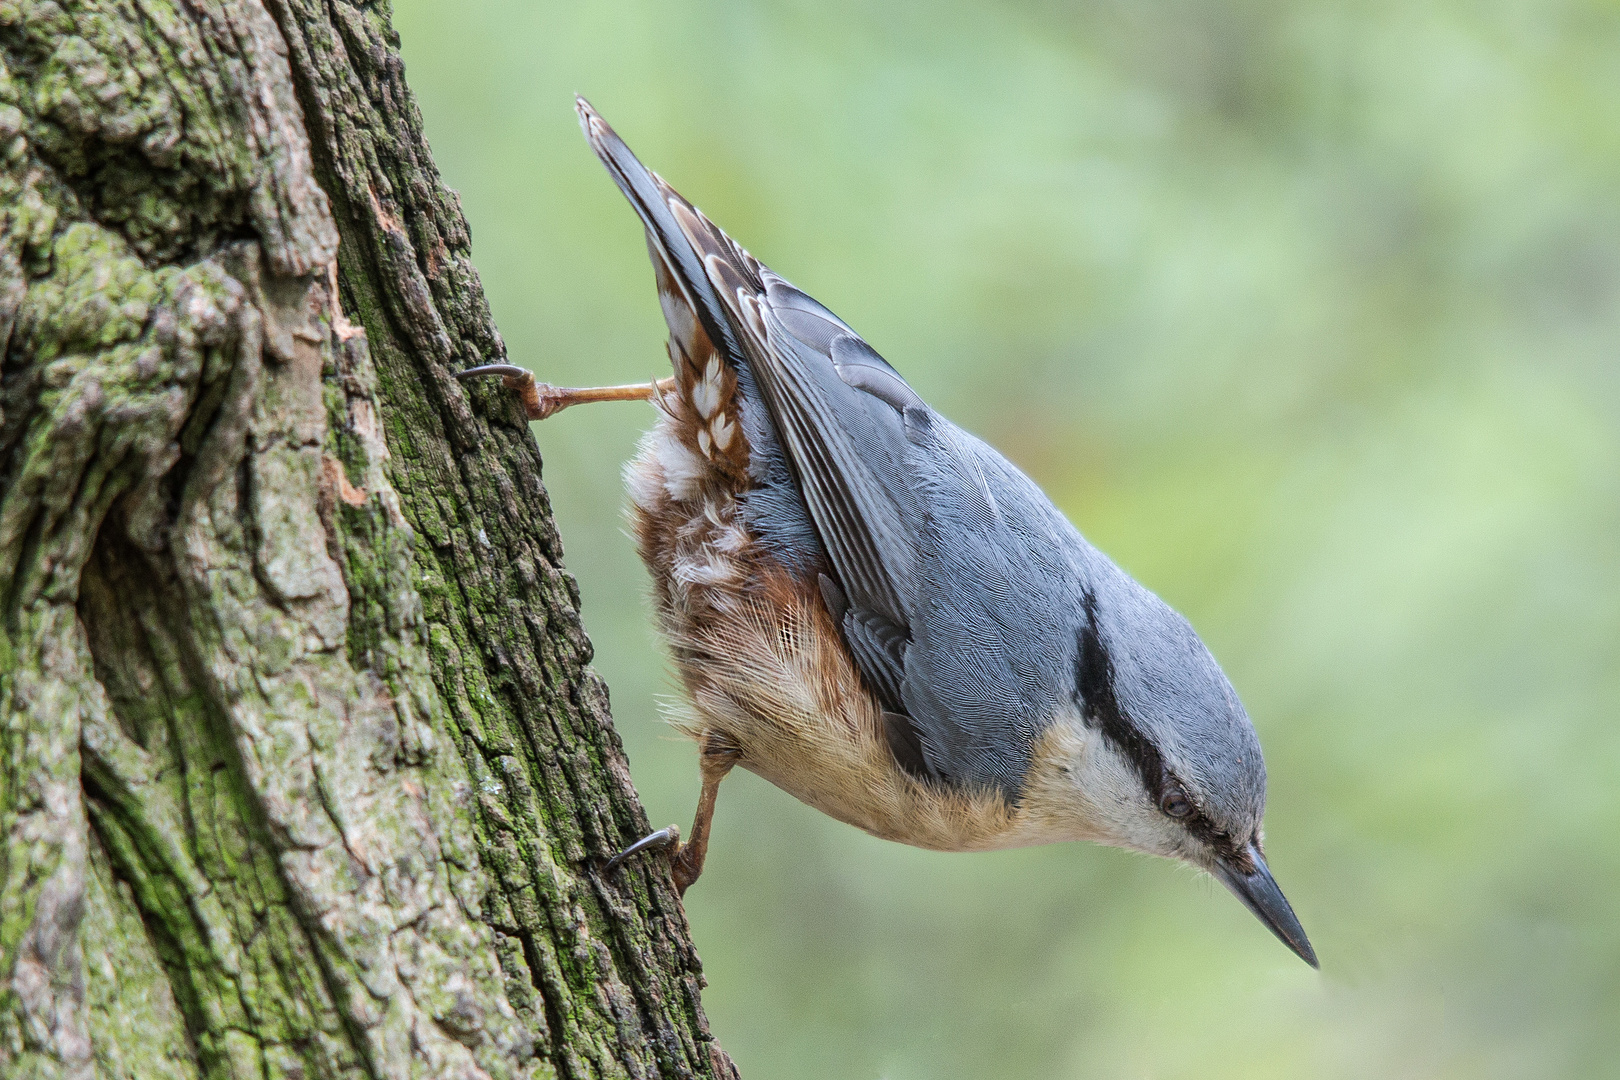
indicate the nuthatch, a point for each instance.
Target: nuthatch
{"x":881,"y":615}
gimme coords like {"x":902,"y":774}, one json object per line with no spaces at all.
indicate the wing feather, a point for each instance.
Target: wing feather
{"x":895,"y":495}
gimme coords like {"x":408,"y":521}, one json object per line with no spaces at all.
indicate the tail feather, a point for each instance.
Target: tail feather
{"x":704,"y":345}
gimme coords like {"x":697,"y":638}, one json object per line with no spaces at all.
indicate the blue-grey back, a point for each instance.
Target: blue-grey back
{"x":1000,"y":580}
{"x":970,"y":601}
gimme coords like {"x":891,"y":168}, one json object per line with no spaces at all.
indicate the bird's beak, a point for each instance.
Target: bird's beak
{"x":1258,"y":890}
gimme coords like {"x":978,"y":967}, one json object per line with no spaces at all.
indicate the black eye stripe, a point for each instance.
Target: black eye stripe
{"x":1099,"y":707}
{"x":1094,"y":693}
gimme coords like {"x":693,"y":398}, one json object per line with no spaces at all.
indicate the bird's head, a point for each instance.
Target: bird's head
{"x":1160,"y":756}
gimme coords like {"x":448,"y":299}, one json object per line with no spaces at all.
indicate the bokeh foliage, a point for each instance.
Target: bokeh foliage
{"x":1308,"y":315}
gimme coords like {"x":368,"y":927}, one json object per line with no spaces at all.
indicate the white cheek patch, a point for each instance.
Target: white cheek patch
{"x":1124,"y":815}
{"x":1087,"y":790}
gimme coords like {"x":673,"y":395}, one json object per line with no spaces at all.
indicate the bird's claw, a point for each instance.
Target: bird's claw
{"x":663,"y":840}
{"x":539,"y":399}
{"x":509,"y":371}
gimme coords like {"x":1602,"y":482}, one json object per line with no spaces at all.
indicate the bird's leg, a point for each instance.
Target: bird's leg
{"x":715,"y":760}
{"x":541,"y":400}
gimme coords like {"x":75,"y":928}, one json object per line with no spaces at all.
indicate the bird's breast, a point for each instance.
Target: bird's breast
{"x":767,"y":672}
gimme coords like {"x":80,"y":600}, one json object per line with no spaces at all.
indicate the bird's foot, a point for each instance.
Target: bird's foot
{"x":541,"y":400}
{"x":685,"y":866}
{"x":685,"y":860}
{"x":717,"y":758}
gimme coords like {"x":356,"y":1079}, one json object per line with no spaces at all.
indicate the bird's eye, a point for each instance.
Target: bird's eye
{"x":1175,"y":802}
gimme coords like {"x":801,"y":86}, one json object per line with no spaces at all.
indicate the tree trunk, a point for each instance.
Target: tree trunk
{"x":302,"y":771}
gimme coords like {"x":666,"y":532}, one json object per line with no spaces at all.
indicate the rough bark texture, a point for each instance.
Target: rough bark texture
{"x":302,"y":771}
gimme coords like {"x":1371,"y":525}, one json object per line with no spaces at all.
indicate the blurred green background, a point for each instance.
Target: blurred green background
{"x":1307,"y":314}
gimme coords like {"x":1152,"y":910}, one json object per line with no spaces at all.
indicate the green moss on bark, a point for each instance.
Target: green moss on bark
{"x":302,"y":768}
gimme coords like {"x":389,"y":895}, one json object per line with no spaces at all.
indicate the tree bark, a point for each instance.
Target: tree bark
{"x":302,"y":769}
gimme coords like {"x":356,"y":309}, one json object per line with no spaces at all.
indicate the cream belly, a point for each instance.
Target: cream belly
{"x":775,"y":685}
{"x":791,"y":702}
{"x":768,"y":677}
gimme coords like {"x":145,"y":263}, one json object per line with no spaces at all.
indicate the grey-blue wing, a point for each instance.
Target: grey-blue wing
{"x":998,"y":605}
{"x":940,"y":609}
{"x":943,"y":587}
{"x":848,"y":470}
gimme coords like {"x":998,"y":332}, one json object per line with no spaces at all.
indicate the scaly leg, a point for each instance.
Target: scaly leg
{"x":716,"y":760}
{"x":541,"y":400}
